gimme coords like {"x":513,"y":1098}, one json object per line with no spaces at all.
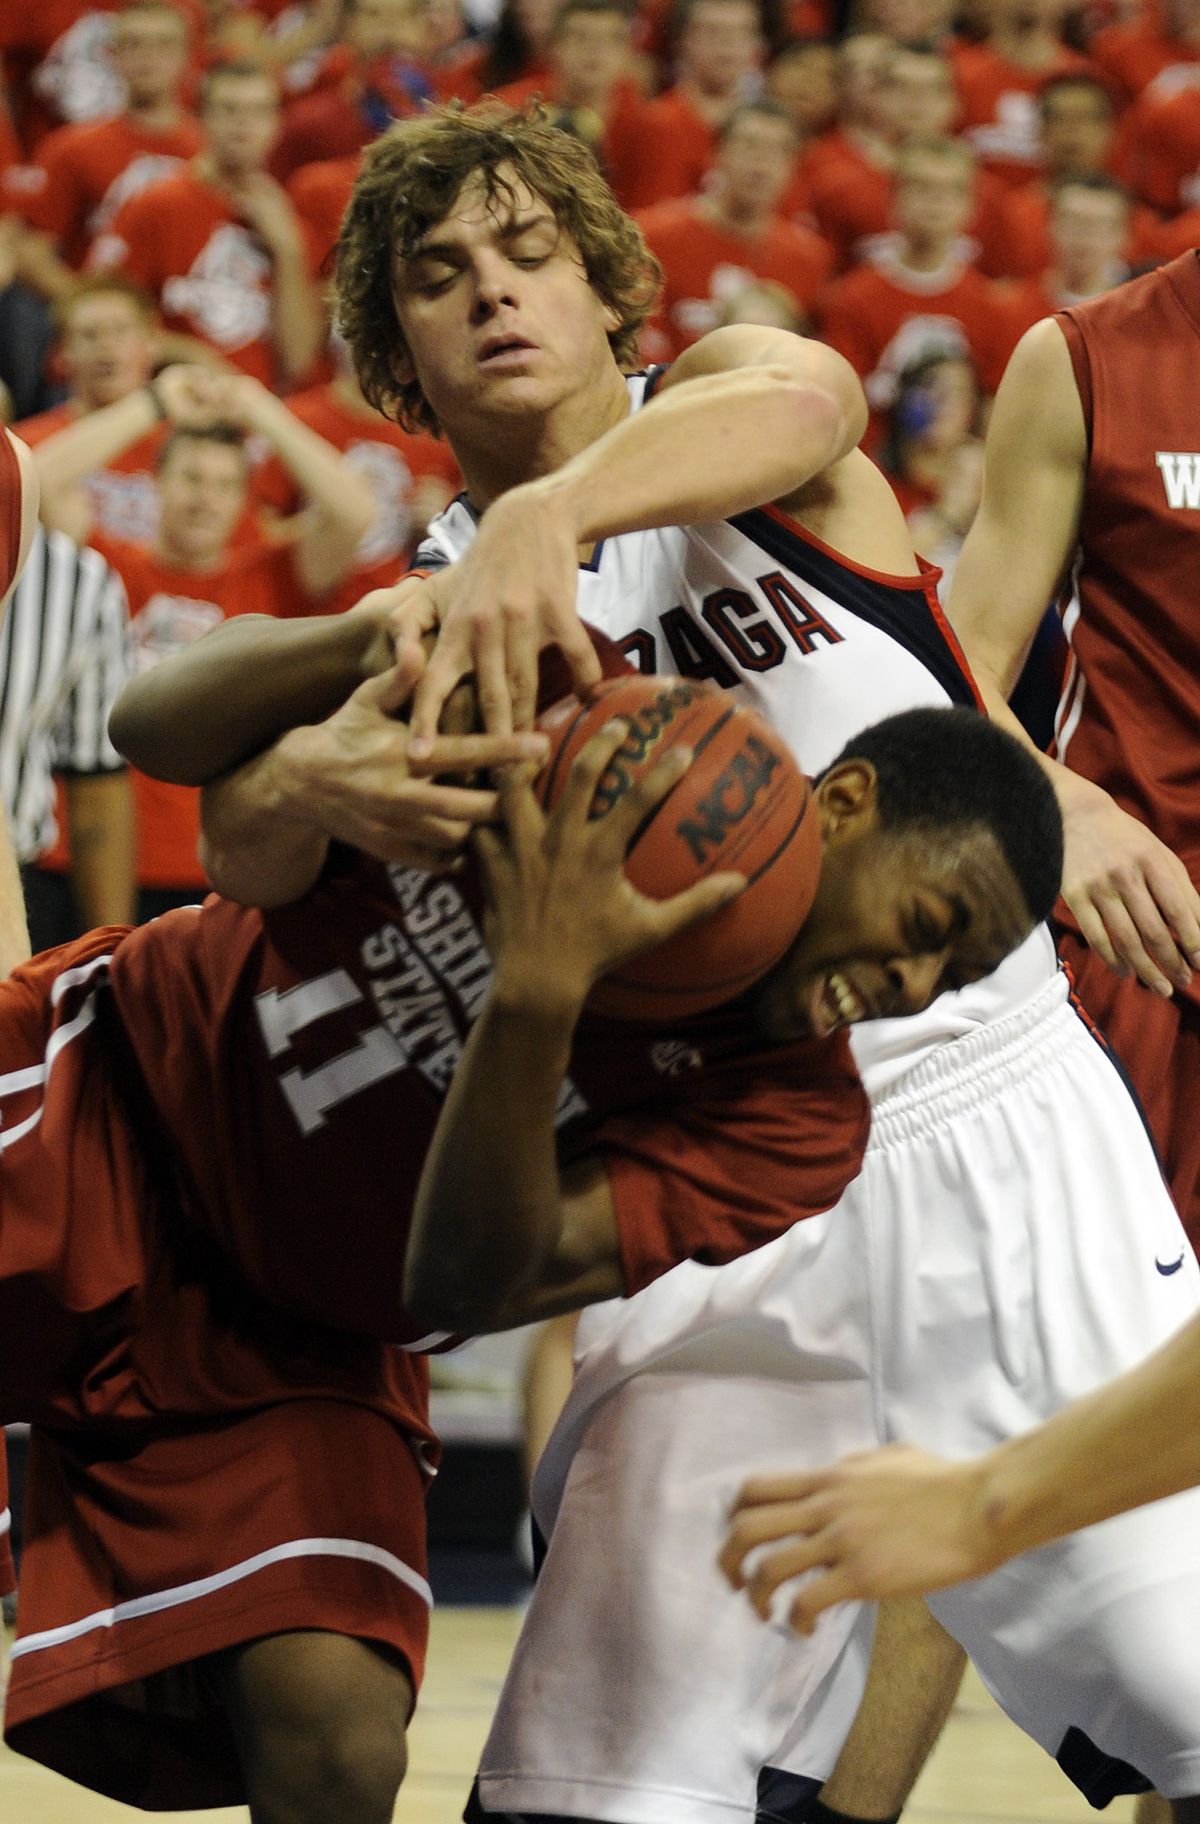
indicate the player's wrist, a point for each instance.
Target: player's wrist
{"x":545,"y":998}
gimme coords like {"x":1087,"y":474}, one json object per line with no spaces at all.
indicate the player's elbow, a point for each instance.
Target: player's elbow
{"x":440,"y":1293}
{"x":829,"y":415}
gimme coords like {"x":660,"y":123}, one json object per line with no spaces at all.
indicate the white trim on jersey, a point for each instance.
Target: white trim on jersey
{"x":158,"y":1600}
{"x":5,"y":1520}
{"x":65,"y":656}
{"x":31,"y":1075}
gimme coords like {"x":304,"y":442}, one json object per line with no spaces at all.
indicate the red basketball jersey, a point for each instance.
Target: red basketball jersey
{"x":1130,"y":715}
{"x":298,"y":1059}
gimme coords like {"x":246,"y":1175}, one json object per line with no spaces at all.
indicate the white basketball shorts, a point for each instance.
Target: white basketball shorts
{"x":1008,"y":1246}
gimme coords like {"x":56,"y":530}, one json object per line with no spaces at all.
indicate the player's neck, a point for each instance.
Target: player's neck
{"x":713,"y":105}
{"x":922,"y":254}
{"x":184,"y":555}
{"x":495,"y":457}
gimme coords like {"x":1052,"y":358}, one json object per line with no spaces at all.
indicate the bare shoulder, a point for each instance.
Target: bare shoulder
{"x":851,"y":507}
{"x":1038,"y":402}
{"x":747,"y":345}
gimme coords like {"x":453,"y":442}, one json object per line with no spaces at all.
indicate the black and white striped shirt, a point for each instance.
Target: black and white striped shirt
{"x":65,"y":655}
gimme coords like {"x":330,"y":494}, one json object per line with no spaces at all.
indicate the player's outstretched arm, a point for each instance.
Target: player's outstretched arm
{"x":1133,"y":898}
{"x":18,"y":521}
{"x":265,"y":829}
{"x":900,"y":1521}
{"x":499,"y":1236}
{"x":747,"y":416}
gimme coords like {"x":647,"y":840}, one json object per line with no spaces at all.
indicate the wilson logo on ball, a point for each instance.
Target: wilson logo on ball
{"x":647,"y":726}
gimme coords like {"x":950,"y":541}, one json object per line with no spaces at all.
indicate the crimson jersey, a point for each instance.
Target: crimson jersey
{"x":226,"y":1098}
{"x":110,"y":1313}
{"x":1130,"y":715}
{"x":298,"y":1059}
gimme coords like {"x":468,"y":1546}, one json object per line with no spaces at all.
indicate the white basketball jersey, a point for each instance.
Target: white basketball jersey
{"x":817,"y":644}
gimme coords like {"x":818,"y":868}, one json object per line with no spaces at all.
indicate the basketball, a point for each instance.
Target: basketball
{"x":742,"y":804}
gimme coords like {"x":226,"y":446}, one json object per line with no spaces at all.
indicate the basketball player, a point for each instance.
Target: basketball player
{"x":212,"y":1127}
{"x":1008,"y":1182}
{"x":1091,"y":454}
{"x":897,"y":1521}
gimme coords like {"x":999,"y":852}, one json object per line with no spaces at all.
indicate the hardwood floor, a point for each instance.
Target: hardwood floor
{"x":983,"y":1772}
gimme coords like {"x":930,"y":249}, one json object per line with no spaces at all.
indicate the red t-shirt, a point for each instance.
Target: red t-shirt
{"x":320,"y":193}
{"x":850,"y":200}
{"x":704,"y":264}
{"x":998,"y":110}
{"x":1029,"y":250}
{"x":1133,"y":52}
{"x":123,"y":495}
{"x":1160,"y":158}
{"x":169,"y":608}
{"x":665,"y":152}
{"x":883,"y":319}
{"x":210,"y":273}
{"x":393,"y":462}
{"x":56,"y":58}
{"x":92,"y":168}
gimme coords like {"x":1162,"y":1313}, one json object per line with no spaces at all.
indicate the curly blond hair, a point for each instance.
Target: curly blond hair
{"x":410,"y":180}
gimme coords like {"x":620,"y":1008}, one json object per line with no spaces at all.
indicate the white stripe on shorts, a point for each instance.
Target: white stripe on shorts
{"x":158,"y":1600}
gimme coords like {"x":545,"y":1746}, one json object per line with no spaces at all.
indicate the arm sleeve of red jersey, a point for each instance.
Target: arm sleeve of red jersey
{"x":1080,"y":365}
{"x":10,"y":513}
{"x":710,"y":1180}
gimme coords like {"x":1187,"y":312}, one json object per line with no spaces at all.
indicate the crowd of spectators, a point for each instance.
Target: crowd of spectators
{"x":914,"y":182}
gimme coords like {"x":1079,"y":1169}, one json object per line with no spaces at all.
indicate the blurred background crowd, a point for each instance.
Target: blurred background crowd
{"x":914,"y":181}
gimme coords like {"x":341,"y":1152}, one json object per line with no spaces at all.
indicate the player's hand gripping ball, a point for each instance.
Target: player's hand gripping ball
{"x":743,"y":804}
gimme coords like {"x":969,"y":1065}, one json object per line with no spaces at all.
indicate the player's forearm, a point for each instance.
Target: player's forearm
{"x":225,"y":698}
{"x":103,"y":848}
{"x":256,"y":846}
{"x":298,"y":322}
{"x":40,"y":266}
{"x":341,"y":505}
{"x":1133,"y":1441}
{"x":488,"y":1210}
{"x":707,"y":448}
{"x":65,"y":458}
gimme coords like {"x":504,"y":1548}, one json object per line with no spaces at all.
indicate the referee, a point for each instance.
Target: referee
{"x":64,"y":657}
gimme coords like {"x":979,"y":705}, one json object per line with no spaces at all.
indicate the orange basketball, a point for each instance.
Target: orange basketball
{"x":742,"y":804}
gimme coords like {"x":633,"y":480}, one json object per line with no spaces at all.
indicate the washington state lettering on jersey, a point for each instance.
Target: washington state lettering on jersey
{"x":427,"y":978}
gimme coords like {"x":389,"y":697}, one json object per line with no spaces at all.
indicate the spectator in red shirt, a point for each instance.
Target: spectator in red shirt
{"x":710,"y":245}
{"x":719,"y":55}
{"x":385,"y":82}
{"x":916,"y":293}
{"x":518,"y":50}
{"x":56,"y":54}
{"x":108,"y":346}
{"x":411,"y":477}
{"x":1078,"y":130}
{"x":590,"y":88}
{"x":88,"y":170}
{"x":1160,"y":158}
{"x":1133,"y":53}
{"x":802,"y":77}
{"x":999,"y":81}
{"x":219,"y":246}
{"x":851,"y":200}
{"x":190,"y":575}
{"x":1089,"y":231}
{"x":933,"y":455}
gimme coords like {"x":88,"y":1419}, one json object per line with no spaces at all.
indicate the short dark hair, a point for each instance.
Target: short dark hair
{"x":940,"y":769}
{"x":234,"y":69}
{"x":1097,"y":181}
{"x":230,"y":436}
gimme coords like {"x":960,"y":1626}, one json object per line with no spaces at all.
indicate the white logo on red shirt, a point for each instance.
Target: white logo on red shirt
{"x":1180,"y":470}
{"x":226,"y":292}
